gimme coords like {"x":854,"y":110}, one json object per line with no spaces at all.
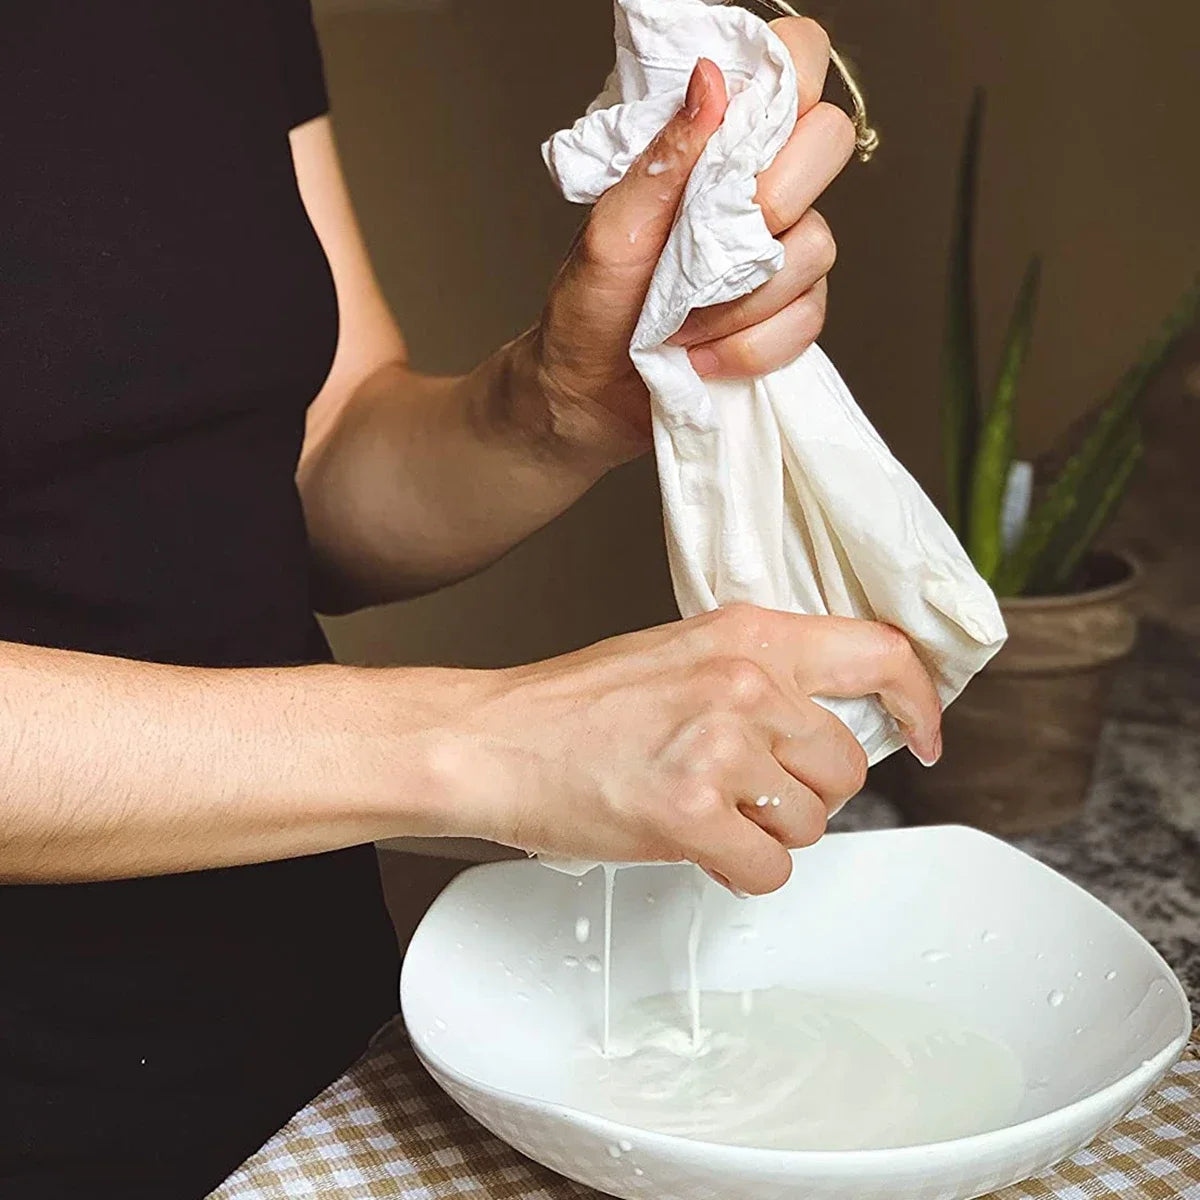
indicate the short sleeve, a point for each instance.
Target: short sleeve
{"x":300,"y":61}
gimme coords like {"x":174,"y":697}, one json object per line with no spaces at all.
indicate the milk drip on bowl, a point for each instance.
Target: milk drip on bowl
{"x":778,"y":1068}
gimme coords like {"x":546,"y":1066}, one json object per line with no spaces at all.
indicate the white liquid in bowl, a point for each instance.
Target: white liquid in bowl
{"x":781,"y":1069}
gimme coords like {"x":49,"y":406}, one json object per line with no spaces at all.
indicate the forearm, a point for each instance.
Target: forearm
{"x":111,"y":768}
{"x":421,"y":481}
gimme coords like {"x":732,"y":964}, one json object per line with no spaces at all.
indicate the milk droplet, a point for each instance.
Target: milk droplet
{"x":439,"y":1024}
{"x":1038,"y":1084}
{"x":745,"y":932}
{"x":546,"y":987}
{"x":762,"y":802}
{"x":592,"y":963}
{"x":1078,"y":1030}
{"x":522,"y":995}
{"x":1055,"y":998}
{"x":649,"y":898}
{"x":614,"y":1151}
{"x":1110,"y":976}
{"x":1078,"y":974}
{"x":988,"y":936}
{"x":569,"y":960}
{"x":624,"y":1146}
{"x":1040,"y":955}
{"x":935,"y":956}
{"x":929,"y":983}
{"x":638,"y":1171}
{"x":583,"y":929}
{"x":775,"y":802}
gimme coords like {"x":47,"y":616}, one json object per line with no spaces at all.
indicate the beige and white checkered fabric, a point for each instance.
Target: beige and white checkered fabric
{"x":385,"y":1129}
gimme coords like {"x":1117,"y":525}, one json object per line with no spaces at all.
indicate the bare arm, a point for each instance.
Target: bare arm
{"x":647,"y":746}
{"x":410,"y":482}
{"x":114,"y":768}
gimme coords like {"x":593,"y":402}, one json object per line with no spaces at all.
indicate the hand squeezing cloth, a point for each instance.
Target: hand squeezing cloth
{"x":775,"y":491}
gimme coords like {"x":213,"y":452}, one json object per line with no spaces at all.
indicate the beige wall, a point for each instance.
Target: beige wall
{"x":440,"y":112}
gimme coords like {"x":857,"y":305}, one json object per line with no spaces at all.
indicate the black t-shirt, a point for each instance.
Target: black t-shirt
{"x":166,"y":315}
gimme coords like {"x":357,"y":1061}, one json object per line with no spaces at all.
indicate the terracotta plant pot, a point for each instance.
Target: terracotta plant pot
{"x":1020,"y":742}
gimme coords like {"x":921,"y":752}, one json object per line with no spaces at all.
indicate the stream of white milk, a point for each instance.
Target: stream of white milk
{"x":777,"y":1068}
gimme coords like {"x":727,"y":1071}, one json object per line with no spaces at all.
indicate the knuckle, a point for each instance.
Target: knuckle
{"x":809,"y":44}
{"x":719,"y":747}
{"x":594,"y":244}
{"x":697,"y":802}
{"x":855,"y":778}
{"x":810,"y":319}
{"x":741,"y":623}
{"x":811,"y":826}
{"x":771,"y":198}
{"x":894,"y":649}
{"x":820,"y":245}
{"x":749,"y":352}
{"x":741,"y":682}
{"x":816,"y":35}
{"x":841,"y":127}
{"x":771,"y":876}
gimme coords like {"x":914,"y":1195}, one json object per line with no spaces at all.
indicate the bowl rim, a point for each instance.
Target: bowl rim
{"x":1134,"y":1083}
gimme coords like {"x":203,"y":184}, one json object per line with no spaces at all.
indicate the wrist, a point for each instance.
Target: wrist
{"x":418,"y":766}
{"x":557,"y":419}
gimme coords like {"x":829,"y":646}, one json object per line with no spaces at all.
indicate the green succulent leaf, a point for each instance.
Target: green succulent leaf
{"x":995,"y":451}
{"x":1101,"y":496}
{"x":1102,"y":445}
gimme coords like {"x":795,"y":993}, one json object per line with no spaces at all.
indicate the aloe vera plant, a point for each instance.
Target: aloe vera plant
{"x":978,"y":440}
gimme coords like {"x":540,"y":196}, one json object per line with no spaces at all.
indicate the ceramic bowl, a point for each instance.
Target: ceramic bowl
{"x":1091,"y":1011}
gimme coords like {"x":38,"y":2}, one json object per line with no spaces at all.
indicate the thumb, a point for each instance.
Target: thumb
{"x":630,"y":222}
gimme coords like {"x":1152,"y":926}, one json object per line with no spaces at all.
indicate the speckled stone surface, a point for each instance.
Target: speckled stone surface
{"x":1137,"y":844}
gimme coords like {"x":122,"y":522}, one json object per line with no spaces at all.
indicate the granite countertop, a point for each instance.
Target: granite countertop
{"x":1137,"y":844}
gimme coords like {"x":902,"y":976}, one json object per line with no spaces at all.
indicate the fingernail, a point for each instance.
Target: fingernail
{"x":929,"y":755}
{"x":717,"y":877}
{"x":697,"y":92}
{"x":704,"y":362}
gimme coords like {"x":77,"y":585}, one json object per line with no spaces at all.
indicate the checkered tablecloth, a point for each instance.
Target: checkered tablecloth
{"x":385,"y":1129}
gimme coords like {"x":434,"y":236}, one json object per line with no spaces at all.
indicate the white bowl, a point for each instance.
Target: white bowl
{"x":495,"y":1012}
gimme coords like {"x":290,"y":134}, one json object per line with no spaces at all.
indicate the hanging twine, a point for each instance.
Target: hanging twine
{"x":866,"y":139}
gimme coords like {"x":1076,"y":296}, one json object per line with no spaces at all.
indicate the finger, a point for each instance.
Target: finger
{"x":846,"y":658}
{"x":768,"y":345}
{"x":823,"y":756}
{"x":631,"y":221}
{"x":808,"y":45}
{"x":734,"y":847}
{"x":809,"y":256}
{"x":819,"y":147}
{"x":792,"y":813}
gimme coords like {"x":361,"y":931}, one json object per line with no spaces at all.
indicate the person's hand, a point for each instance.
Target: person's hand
{"x":581,"y":346}
{"x":661,"y":745}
